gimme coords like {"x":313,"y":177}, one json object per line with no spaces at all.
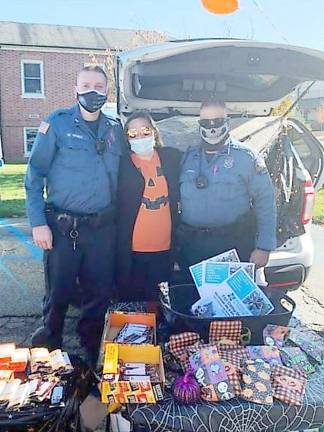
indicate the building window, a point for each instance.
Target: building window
{"x":32,"y":79}
{"x":29,"y":138}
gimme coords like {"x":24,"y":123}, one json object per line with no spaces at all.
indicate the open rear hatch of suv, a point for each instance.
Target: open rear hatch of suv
{"x":174,"y":77}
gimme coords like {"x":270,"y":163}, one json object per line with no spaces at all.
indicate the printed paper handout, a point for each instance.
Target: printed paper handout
{"x":227,"y":288}
{"x":240,"y":296}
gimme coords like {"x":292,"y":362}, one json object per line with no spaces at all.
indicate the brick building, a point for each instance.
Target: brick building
{"x":38,"y":66}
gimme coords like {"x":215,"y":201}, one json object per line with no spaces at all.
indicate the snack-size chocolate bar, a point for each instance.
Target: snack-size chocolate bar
{"x":135,"y":334}
{"x":8,"y":391}
{"x":19,"y":397}
{"x":144,"y":370}
{"x":40,"y":361}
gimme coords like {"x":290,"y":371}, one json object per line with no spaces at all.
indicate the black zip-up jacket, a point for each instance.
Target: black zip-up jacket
{"x":129,"y":197}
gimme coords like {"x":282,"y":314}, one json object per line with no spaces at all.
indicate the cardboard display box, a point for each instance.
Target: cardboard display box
{"x":116,"y":320}
{"x":113,"y":390}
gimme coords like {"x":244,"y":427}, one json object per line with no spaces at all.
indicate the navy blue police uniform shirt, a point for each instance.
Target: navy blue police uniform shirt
{"x":237,"y":180}
{"x":64,"y":162}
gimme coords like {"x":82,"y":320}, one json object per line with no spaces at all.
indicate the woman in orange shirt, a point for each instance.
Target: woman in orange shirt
{"x":147,"y":210}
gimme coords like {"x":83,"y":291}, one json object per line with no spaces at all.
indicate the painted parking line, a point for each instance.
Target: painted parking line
{"x":35,"y":252}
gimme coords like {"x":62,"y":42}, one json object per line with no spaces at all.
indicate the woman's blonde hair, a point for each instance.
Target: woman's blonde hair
{"x":147,"y":116}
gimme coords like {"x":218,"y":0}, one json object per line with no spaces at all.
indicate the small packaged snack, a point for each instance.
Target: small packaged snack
{"x":40,"y":361}
{"x":61,"y":363}
{"x":19,"y":397}
{"x":6,"y":352}
{"x":19,"y":359}
{"x":6,"y":375}
{"x":256,"y":382}
{"x":8,"y":392}
{"x":274,"y":335}
{"x":132,"y":333}
{"x":288,"y":385}
{"x":295,"y":358}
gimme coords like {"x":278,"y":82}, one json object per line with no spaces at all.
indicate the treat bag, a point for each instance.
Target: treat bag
{"x":274,"y":335}
{"x":288,"y":385}
{"x":256,"y":382}
{"x":296,"y":359}
{"x":270,"y":354}
{"x":178,"y":344}
{"x":234,"y":377}
{"x":226,"y":332}
{"x":310,"y":342}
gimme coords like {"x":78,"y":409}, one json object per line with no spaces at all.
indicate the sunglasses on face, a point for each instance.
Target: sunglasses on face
{"x":212,"y":123}
{"x":143,"y":131}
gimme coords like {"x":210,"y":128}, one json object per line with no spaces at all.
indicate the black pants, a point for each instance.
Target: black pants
{"x":196,"y":244}
{"x":148,"y":270}
{"x":92,"y":263}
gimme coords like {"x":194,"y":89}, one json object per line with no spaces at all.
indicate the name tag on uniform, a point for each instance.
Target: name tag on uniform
{"x":74,"y":135}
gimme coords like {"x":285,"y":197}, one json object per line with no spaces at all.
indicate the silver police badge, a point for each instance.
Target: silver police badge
{"x":228,"y":162}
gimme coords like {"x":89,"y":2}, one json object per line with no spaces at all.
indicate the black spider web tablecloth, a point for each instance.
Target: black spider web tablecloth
{"x":235,"y":415}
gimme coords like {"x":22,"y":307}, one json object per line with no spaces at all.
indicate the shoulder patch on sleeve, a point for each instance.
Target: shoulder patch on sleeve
{"x":260,"y":165}
{"x":43,"y":127}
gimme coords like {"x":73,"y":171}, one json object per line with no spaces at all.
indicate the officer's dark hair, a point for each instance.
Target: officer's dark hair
{"x":213,"y":102}
{"x":94,"y":68}
{"x":147,"y":116}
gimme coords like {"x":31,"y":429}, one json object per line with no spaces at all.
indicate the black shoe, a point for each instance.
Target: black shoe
{"x":44,"y":338}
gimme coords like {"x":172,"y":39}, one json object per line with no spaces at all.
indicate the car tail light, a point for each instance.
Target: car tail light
{"x":308,"y":203}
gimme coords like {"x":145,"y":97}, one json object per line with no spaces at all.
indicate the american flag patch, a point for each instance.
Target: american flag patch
{"x":43,"y":127}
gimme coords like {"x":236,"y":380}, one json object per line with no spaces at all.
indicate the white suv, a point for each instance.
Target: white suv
{"x":171,"y":80}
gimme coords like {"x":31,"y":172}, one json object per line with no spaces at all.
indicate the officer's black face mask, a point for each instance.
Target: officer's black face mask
{"x":91,"y":100}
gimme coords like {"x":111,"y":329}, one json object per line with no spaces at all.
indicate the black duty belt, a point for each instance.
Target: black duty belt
{"x":68,"y":222}
{"x":243,"y":223}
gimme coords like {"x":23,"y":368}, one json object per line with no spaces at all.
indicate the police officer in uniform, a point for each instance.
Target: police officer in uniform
{"x":75,"y":158}
{"x":227,"y":197}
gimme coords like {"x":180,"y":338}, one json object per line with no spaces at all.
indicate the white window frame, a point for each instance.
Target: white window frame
{"x":32,"y":95}
{"x":26,"y":152}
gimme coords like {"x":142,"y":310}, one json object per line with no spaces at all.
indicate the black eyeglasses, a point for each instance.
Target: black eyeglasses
{"x":212,"y":123}
{"x":101,"y":146}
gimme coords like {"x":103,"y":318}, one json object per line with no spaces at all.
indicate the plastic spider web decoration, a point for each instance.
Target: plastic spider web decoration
{"x":235,"y":415}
